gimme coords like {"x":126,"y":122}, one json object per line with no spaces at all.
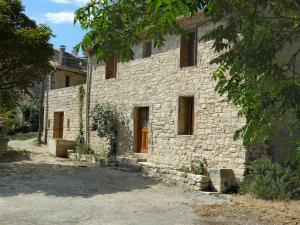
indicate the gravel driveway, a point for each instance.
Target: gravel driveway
{"x":45,"y":190}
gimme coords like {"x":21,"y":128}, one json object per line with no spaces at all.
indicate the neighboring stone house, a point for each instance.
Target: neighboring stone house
{"x":69,"y":71}
{"x":167,"y":96}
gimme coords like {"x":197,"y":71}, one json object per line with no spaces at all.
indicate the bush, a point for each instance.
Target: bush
{"x":270,"y":180}
{"x":81,"y":147}
{"x":105,"y":119}
{"x":198,"y":167}
{"x":30,"y":117}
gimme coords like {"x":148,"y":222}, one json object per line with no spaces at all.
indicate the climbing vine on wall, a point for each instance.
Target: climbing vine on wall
{"x":81,"y":95}
{"x":80,"y":144}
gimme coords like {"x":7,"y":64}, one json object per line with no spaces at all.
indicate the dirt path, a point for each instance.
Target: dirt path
{"x":41,"y":189}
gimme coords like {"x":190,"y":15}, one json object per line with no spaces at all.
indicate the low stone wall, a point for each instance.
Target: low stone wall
{"x":90,"y":159}
{"x":188,"y":181}
{"x":3,"y":139}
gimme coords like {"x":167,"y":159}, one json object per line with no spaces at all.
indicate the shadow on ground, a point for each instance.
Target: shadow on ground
{"x":13,"y":155}
{"x":67,"y":181}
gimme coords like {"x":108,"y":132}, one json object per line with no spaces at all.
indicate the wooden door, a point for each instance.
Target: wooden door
{"x":143,"y":120}
{"x":58,"y":127}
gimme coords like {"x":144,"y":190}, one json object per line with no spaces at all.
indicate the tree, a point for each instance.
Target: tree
{"x":266,"y":90}
{"x":25,"y":51}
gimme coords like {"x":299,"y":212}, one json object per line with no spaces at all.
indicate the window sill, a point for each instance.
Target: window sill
{"x":185,"y":135}
{"x":188,"y":67}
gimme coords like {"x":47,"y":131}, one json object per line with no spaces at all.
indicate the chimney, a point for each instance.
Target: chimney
{"x":62,"y":50}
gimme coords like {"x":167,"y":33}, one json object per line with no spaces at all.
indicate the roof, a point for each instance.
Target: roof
{"x":69,"y":61}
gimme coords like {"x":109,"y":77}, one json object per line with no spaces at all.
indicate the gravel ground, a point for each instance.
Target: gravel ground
{"x":45,"y":190}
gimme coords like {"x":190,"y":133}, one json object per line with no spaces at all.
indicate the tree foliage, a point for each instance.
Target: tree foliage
{"x":25,"y":50}
{"x":265,"y":88}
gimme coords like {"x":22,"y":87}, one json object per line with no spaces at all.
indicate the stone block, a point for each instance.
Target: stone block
{"x":59,"y":147}
{"x":222,"y":180}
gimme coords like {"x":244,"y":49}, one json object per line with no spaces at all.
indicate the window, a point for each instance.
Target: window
{"x":186,"y":116}
{"x":68,"y":124}
{"x":147,"y":49}
{"x":111,"y":68}
{"x":48,"y":124}
{"x":188,"y":49}
{"x":67,"y":81}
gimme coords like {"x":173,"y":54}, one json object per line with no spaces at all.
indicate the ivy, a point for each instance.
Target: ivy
{"x":80,"y":144}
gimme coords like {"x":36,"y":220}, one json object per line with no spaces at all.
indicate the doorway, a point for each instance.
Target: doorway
{"x":58,"y":127}
{"x":142,"y":130}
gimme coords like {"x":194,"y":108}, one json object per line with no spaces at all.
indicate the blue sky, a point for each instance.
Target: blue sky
{"x":58,"y":15}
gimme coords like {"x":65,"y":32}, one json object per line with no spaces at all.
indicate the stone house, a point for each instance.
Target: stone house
{"x":69,"y":71}
{"x":168,"y":101}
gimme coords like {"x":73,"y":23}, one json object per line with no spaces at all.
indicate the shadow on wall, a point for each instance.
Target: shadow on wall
{"x":124,"y":137}
{"x":67,"y":181}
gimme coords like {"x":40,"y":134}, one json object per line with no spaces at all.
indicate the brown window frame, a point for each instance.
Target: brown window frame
{"x":147,"y":49}
{"x":111,"y":68}
{"x":186,"y":115}
{"x":188,"y":49}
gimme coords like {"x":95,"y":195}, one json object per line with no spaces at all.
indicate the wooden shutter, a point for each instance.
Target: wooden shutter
{"x":192,"y":52}
{"x":188,"y":49}
{"x":111,"y":68}
{"x":186,"y":116}
{"x":184,"y":48}
{"x":181,"y":116}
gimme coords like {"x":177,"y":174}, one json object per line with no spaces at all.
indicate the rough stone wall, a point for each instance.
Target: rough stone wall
{"x":64,"y":100}
{"x":3,"y":139}
{"x":58,"y":79}
{"x":157,"y":82}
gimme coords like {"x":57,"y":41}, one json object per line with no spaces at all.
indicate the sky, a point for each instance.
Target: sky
{"x":59,"y":16}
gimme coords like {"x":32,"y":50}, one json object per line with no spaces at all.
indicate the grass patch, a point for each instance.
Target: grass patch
{"x":245,"y":209}
{"x":23,"y":136}
{"x":14,"y":155}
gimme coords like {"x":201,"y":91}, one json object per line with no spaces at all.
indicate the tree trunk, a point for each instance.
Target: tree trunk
{"x":88,"y":98}
{"x":41,"y":111}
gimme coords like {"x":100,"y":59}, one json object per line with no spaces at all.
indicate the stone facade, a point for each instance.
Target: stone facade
{"x":157,"y":82}
{"x":64,"y":100}
{"x":58,"y":78}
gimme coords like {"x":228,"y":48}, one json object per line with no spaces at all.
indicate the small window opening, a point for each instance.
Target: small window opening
{"x":188,"y":49}
{"x":48,"y":124}
{"x":111,"y":68}
{"x":147,"y":49}
{"x":67,"y":81}
{"x":186,"y":116}
{"x":68,"y":124}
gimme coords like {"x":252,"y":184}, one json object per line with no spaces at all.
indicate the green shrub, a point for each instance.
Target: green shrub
{"x":81,"y":147}
{"x":198,"y":167}
{"x":105,"y":119}
{"x":270,"y":180}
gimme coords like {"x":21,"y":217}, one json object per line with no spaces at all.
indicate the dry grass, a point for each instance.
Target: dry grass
{"x":247,"y":210}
